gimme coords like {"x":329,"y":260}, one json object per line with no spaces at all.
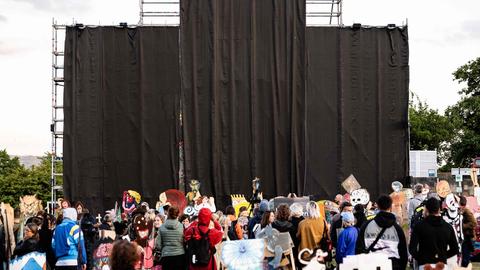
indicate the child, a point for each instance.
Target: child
{"x":348,"y":237}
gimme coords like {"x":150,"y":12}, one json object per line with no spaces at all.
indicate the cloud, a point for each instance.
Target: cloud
{"x":3,"y":18}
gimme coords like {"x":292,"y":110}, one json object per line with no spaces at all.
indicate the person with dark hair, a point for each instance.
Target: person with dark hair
{"x":253,"y":226}
{"x":29,"y":242}
{"x":414,"y":202}
{"x":87,"y":225}
{"x":169,"y":241}
{"x":185,"y":220}
{"x":383,"y":235}
{"x":235,"y":232}
{"x":433,"y":240}
{"x":46,"y":233}
{"x":268,"y":218}
{"x":281,"y":222}
{"x":124,"y":255}
{"x":347,"y":238}
{"x":359,"y":214}
{"x":337,"y":227}
{"x":468,"y":226}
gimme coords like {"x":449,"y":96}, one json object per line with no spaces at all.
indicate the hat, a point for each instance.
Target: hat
{"x":70,"y":213}
{"x":418,"y":188}
{"x":348,"y":217}
{"x":263,"y":206}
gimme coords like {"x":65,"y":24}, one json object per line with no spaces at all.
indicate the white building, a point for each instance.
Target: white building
{"x":423,"y":163}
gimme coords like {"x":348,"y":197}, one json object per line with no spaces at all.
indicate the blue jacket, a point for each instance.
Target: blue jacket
{"x":67,"y":240}
{"x":346,"y":243}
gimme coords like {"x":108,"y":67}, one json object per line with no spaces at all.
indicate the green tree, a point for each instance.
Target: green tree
{"x":465,"y":116}
{"x":19,"y":181}
{"x":429,"y":130}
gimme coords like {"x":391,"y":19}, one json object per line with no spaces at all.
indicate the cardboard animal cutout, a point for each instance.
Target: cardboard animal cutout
{"x":398,"y":201}
{"x":172,"y":197}
{"x":316,"y":259}
{"x":30,"y":205}
{"x":194,"y":193}
{"x":131,"y":199}
{"x":453,"y":216}
{"x":443,"y":188}
{"x":359,"y":196}
{"x":30,"y":261}
{"x":243,"y":254}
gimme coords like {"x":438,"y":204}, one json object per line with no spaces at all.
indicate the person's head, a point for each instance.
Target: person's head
{"x":266,"y":218}
{"x":204,"y":216}
{"x":359,"y":208}
{"x":347,"y":219}
{"x":346,"y":207}
{"x":123,"y":256}
{"x":79,"y":207}
{"x":173,"y":212}
{"x":418,"y":189}
{"x":230,"y":210}
{"x":296,"y":210}
{"x":70,"y":213}
{"x":31,"y":231}
{"x":463,"y":202}
{"x":64,"y":204}
{"x":283,"y":212}
{"x":185,"y":220}
{"x":432,"y":207}
{"x":384,"y":203}
{"x":263,"y":207}
{"x":157,"y":222}
{"x":312,"y":210}
{"x":339,"y":198}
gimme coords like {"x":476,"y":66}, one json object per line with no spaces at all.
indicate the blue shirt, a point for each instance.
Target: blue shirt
{"x":346,"y":243}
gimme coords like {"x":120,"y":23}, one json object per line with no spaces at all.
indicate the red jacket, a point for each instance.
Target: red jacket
{"x":215,"y":235}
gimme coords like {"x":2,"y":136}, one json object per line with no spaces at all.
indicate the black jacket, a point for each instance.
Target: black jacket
{"x":392,"y":242}
{"x":282,"y":226}
{"x":25,"y":247}
{"x":433,"y":240}
{"x":336,"y":225}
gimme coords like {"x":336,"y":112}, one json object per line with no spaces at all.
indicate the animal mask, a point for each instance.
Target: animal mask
{"x":397,"y":186}
{"x":141,"y":229}
{"x":131,"y":199}
{"x":359,"y":196}
{"x":452,"y":202}
{"x":443,"y":188}
{"x":30,"y":205}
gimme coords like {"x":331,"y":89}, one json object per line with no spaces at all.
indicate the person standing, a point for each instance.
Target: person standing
{"x":337,"y":222}
{"x":29,"y":242}
{"x":469,"y":225}
{"x":68,"y":243}
{"x":169,"y":242}
{"x":347,"y":238}
{"x":311,"y":229}
{"x":197,"y":232}
{"x":414,"y":202}
{"x":433,"y":240}
{"x":383,"y":235}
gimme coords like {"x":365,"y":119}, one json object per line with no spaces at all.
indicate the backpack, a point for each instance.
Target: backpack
{"x":417,"y":215}
{"x":199,"y":252}
{"x":232,"y":234}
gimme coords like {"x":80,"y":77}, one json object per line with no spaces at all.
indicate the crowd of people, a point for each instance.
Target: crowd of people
{"x":148,"y":239}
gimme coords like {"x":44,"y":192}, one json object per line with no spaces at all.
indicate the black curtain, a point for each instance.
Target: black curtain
{"x":121,"y":108}
{"x":242,"y":68}
{"x":357,"y":108}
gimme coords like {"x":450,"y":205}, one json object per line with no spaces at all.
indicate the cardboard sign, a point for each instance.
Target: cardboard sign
{"x":350,"y":184}
{"x":30,"y":261}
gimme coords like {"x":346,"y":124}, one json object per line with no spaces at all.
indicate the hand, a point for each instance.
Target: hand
{"x":84,"y":266}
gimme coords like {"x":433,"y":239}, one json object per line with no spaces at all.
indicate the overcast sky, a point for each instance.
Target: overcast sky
{"x":443,"y":35}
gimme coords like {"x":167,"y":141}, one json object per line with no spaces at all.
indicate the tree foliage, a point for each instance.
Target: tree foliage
{"x":465,"y":116}
{"x":429,"y":130}
{"x":17,"y":181}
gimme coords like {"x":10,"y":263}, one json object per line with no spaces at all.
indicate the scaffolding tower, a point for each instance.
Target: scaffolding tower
{"x":167,"y":12}
{"x":56,"y":126}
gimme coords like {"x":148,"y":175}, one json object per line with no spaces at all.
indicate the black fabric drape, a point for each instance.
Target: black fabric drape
{"x":243,"y":94}
{"x":121,"y":106}
{"x":357,"y":108}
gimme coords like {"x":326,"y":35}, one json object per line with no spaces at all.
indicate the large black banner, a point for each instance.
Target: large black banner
{"x":243,"y":94}
{"x":357,"y":108}
{"x":121,"y":108}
